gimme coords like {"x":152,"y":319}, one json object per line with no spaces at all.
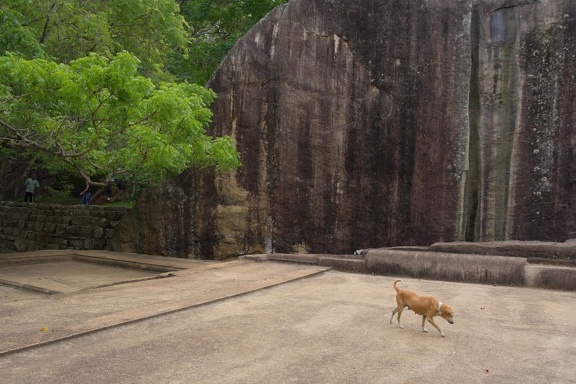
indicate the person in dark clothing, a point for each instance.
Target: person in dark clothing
{"x":85,"y":195}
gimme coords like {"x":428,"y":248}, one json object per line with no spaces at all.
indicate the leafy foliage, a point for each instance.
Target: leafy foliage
{"x":214,"y":27}
{"x":15,"y":37}
{"x":69,"y":29}
{"x":99,"y":117}
{"x":89,"y":86}
{"x":185,"y":38}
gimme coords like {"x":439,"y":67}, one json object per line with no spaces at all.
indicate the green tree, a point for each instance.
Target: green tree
{"x":69,"y":29}
{"x":186,"y":38}
{"x":97,"y":116}
{"x":214,"y":27}
{"x":68,"y":117}
{"x":14,"y":37}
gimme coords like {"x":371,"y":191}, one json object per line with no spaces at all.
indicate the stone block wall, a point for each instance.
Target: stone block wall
{"x":31,"y":227}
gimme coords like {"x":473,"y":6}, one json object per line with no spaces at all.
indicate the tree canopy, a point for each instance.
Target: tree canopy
{"x":97,"y":116}
{"x":174,"y":39}
{"x":214,"y":26}
{"x":98,"y":88}
{"x":69,"y":29}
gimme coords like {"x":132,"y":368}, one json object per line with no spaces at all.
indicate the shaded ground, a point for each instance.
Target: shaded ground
{"x":220,"y":326}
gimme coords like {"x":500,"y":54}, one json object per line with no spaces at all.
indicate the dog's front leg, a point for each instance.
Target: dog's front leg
{"x":423,"y":322}
{"x":431,"y":320}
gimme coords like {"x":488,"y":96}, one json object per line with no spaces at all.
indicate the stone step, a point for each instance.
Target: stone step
{"x":433,"y":265}
{"x":551,"y":277}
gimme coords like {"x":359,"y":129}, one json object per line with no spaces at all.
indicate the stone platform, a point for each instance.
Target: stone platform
{"x":512,"y":263}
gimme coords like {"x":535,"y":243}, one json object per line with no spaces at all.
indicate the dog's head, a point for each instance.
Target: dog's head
{"x":447,"y":313}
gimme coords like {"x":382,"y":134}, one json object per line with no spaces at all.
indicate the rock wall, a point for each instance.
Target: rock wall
{"x":163,"y":222}
{"x":379,"y":123}
{"x":31,"y":227}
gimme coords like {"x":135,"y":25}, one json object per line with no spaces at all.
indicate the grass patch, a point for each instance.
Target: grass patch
{"x":124,"y":204}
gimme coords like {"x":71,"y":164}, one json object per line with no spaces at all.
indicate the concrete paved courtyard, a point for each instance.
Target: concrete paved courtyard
{"x":268,"y":322}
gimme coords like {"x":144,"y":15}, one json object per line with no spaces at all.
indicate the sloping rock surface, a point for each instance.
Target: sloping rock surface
{"x":379,"y":123}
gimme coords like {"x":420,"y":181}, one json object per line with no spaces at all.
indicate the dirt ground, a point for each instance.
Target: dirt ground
{"x":331,"y":327}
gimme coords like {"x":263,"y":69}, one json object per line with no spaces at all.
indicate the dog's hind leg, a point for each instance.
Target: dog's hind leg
{"x":393,"y":313}
{"x":399,"y":311}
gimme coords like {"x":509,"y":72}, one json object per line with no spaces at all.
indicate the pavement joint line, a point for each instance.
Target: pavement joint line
{"x":125,"y":263}
{"x":28,"y":287}
{"x":160,"y":266}
{"x":159,"y":314}
{"x":148,"y":278}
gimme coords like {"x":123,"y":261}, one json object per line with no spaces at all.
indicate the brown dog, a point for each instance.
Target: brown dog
{"x":427,"y":306}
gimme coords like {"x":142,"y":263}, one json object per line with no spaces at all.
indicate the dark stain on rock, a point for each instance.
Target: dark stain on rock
{"x":498,"y":26}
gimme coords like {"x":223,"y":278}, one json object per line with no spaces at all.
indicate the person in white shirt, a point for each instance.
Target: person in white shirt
{"x":31,"y":184}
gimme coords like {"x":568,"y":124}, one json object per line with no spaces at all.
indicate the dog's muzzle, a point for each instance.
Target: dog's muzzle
{"x":451,"y":321}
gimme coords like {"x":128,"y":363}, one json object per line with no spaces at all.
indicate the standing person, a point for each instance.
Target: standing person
{"x":120,"y":195}
{"x":109,"y":189}
{"x":31,"y":184}
{"x":85,"y":195}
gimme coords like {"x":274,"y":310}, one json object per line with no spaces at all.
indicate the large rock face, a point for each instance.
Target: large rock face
{"x":394,"y":122}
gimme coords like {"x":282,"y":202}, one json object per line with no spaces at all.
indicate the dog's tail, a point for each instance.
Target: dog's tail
{"x":396,"y":282}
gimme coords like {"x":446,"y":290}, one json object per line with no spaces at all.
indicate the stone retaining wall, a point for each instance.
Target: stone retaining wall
{"x":31,"y":227}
